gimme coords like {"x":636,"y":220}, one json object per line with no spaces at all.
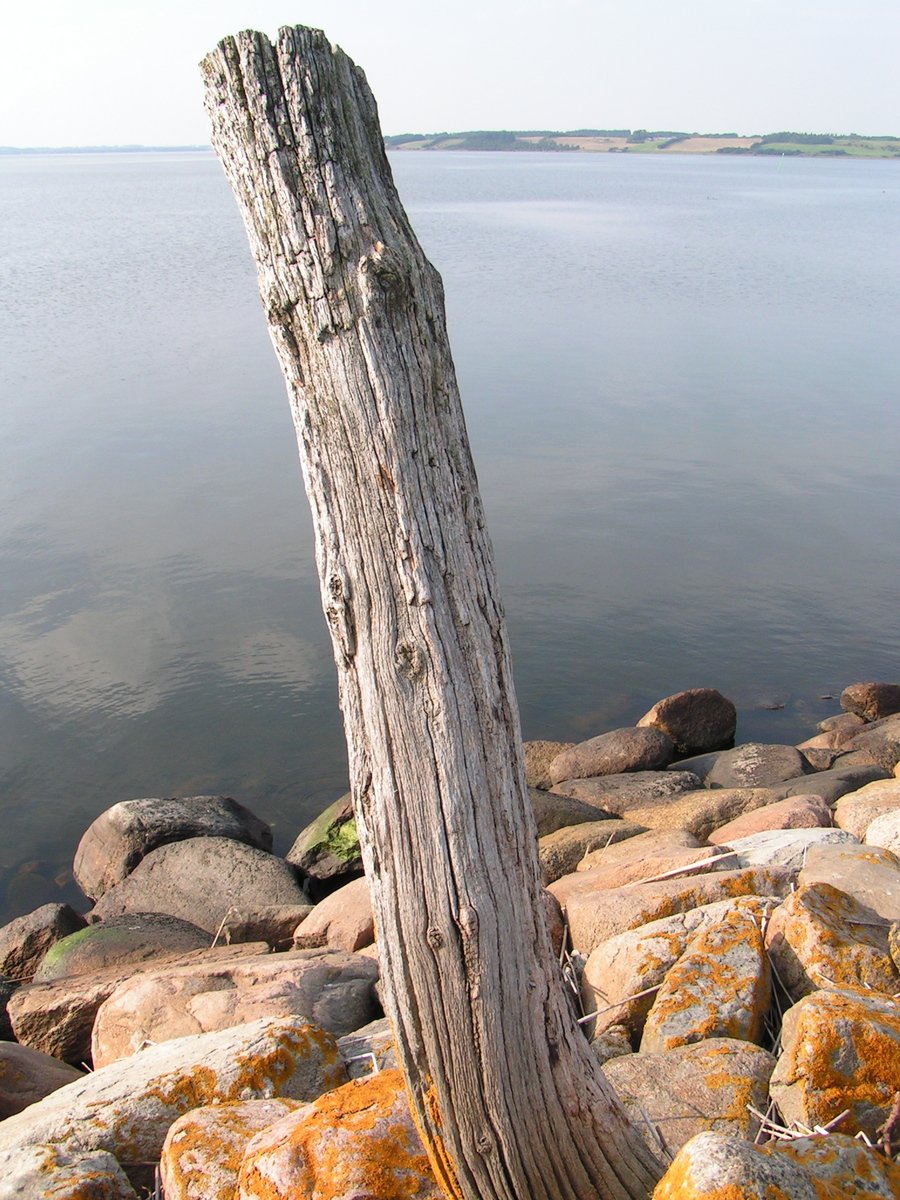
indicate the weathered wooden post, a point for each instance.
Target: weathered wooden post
{"x":505,"y":1089}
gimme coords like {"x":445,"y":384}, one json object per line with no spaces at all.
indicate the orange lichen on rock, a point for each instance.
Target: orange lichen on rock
{"x":714,"y":1166}
{"x":821,"y":934}
{"x":841,"y":1050}
{"x":203,"y":1150}
{"x":357,"y":1140}
{"x":718,"y":988}
{"x":842,"y":1162}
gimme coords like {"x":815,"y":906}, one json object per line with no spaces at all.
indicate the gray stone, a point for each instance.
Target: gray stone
{"x":331,"y":989}
{"x":369,"y":1048}
{"x":27,"y":1075}
{"x":880,"y":741}
{"x":615,"y":752}
{"x":867,"y":873}
{"x":57,"y":1017}
{"x":848,"y":723}
{"x":697,"y":720}
{"x":693,"y":1088}
{"x":132,"y":938}
{"x":120,"y":837}
{"x":698,"y":764}
{"x":618,"y":794}
{"x":554,"y":811}
{"x":204,"y":880}
{"x":830,"y":785}
{"x":783,"y":847}
{"x":756,"y":764}
{"x":25,"y":941}
{"x":871,"y":701}
{"x":7,"y":987}
{"x":272,"y":923}
{"x":562,"y":851}
{"x":702,"y":811}
{"x":538,"y":757}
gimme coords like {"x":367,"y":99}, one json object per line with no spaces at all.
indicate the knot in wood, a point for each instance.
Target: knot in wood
{"x":484,"y":1143}
{"x":435,"y":938}
{"x":410,"y":660}
{"x":387,"y":269}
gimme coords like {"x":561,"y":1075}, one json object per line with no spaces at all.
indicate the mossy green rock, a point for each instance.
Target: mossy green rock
{"x":328,"y":848}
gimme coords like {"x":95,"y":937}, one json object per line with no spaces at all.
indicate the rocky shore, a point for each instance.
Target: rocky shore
{"x":728,"y":919}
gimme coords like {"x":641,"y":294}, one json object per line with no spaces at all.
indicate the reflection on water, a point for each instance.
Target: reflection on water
{"x":680,"y":378}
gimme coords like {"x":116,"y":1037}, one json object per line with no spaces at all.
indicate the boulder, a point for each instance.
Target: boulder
{"x":204,"y":880}
{"x":562,"y":851}
{"x":602,"y":867}
{"x":796,"y":812}
{"x":600,"y":874}
{"x":57,"y":1017}
{"x":369,"y":1049}
{"x":867,"y":873}
{"x":612,"y":753}
{"x":133,"y":938}
{"x":7,"y":987}
{"x":697,"y":720}
{"x":538,"y":757}
{"x":273,"y":924}
{"x":702,"y":811}
{"x":327,"y":850}
{"x":358,"y":1141}
{"x":698,"y":764}
{"x":880,"y":741}
{"x":331,"y":989}
{"x":595,"y":916}
{"x":830,"y":785}
{"x":618,"y":794}
{"x":128,"y":1107}
{"x":855,"y":811}
{"x":871,"y":701}
{"x":554,"y":811}
{"x":613,"y":1042}
{"x":718,"y":1166}
{"x":342,"y":921}
{"x":27,"y":1076}
{"x":621,"y":976}
{"x":848,"y":723}
{"x":821,"y":936}
{"x":840,"y":1050}
{"x":692,"y":1088}
{"x":884,"y":831}
{"x":120,"y":837}
{"x":756,"y":764}
{"x":25,"y":941}
{"x":47,"y":1172}
{"x":786,"y":848}
{"x":202,"y":1153}
{"x":719,"y":988}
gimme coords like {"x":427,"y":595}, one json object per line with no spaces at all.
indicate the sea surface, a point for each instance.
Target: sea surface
{"x":682,"y":384}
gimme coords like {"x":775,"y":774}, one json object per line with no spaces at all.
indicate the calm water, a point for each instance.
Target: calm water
{"x":681,"y":377}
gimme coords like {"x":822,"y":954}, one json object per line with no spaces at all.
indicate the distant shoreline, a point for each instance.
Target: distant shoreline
{"x":643,"y":141}
{"x":591,"y":141}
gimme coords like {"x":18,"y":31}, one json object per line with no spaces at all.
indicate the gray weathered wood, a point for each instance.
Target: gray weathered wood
{"x":504,"y":1087}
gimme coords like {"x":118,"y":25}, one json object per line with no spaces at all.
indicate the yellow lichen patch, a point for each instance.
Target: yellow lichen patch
{"x":718,"y":988}
{"x":820,"y":933}
{"x":841,"y":1051}
{"x":204,"y":1149}
{"x":857,"y":1171}
{"x":359,"y":1138}
{"x":716,"y":1167}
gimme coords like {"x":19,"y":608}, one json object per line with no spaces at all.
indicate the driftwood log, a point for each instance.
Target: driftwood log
{"x":504,"y":1087}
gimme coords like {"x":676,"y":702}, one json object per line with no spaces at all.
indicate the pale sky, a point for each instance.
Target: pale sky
{"x":103,"y":72}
